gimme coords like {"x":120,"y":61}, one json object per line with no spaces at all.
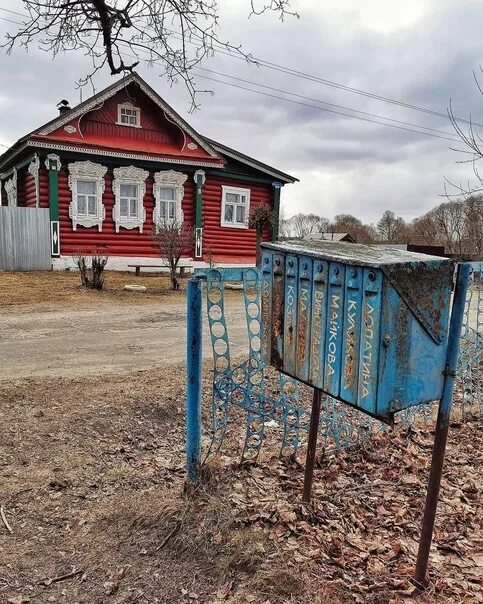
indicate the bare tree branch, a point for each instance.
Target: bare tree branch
{"x":175,"y":35}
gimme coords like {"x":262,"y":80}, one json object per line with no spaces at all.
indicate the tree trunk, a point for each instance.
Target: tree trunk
{"x":259,"y":249}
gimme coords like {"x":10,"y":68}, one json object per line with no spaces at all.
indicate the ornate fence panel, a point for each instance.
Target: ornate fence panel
{"x":471,"y":356}
{"x":269,"y":406}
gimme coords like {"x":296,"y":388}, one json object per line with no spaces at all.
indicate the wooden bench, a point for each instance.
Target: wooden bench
{"x":138,"y":268}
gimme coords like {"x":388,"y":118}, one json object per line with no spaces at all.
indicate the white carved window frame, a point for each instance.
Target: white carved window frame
{"x":135,"y":112}
{"x":87,"y":170}
{"x":168,"y":179}
{"x":129,"y":175}
{"x":233,"y":224}
{"x":11,"y":189}
{"x":33,"y":169}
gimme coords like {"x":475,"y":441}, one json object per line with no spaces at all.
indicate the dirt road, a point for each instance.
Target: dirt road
{"x":93,"y":340}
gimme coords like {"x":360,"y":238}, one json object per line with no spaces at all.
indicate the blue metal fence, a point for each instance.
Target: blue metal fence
{"x":260,"y":403}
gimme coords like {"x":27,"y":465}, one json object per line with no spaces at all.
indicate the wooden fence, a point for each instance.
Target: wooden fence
{"x":24,"y":239}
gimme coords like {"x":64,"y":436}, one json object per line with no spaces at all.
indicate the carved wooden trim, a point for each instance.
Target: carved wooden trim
{"x":129,"y":175}
{"x":33,"y":169}
{"x":11,"y":189}
{"x":87,"y":170}
{"x":168,"y":178}
{"x":52,"y":157}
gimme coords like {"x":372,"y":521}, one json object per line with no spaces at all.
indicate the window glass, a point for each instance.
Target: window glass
{"x":86,"y":198}
{"x":87,"y":187}
{"x":232,"y":198}
{"x":129,"y":117}
{"x":81,"y":205}
{"x":229,"y":213}
{"x":167,"y":193}
{"x":129,"y":191}
{"x":92,"y":205}
{"x":124,"y":208}
{"x":240,"y":214}
{"x":235,"y":206}
{"x":133,"y":208}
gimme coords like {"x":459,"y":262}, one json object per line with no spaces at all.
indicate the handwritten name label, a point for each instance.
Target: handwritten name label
{"x":350,"y":343}
{"x":333,"y":331}
{"x":266,"y":290}
{"x":368,"y":351}
{"x":316,"y":335}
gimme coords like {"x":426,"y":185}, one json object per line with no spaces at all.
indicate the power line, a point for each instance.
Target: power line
{"x":10,"y":21}
{"x":419,"y":128}
{"x":313,"y":78}
{"x":307,"y":98}
{"x":300,"y":74}
{"x":7,"y":10}
{"x":273,"y":96}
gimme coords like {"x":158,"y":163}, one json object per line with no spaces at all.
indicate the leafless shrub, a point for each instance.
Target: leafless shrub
{"x":91,"y":269}
{"x":261,"y":219}
{"x":173,"y":240}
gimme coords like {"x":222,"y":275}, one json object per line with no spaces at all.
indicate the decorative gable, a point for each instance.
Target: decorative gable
{"x":130,"y":117}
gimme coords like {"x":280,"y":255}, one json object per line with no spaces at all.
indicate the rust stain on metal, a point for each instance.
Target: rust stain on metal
{"x":277,"y":311}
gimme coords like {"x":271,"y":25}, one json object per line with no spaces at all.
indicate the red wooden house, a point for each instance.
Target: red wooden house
{"x":119,"y":163}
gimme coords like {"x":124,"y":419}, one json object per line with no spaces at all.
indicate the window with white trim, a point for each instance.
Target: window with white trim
{"x":168,"y":195}
{"x":167,"y":204}
{"x":128,"y":115}
{"x":235,"y":207}
{"x":129,"y":187}
{"x":129,"y":201}
{"x":86,"y":181}
{"x":86,"y":198}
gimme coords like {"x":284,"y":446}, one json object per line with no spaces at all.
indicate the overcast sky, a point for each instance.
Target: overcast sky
{"x":422,"y":52}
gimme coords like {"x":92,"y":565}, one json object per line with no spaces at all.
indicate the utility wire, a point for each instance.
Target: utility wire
{"x":410,"y":127}
{"x":296,"y":73}
{"x":273,"y":96}
{"x":307,"y":98}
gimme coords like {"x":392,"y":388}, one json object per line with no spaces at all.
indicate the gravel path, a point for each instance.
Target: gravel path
{"x":102,"y":339}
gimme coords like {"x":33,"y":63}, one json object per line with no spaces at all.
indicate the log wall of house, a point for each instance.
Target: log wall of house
{"x":217,"y":240}
{"x":128,"y":242}
{"x":30,"y":196}
{"x":227,"y":240}
{"x":44,"y":188}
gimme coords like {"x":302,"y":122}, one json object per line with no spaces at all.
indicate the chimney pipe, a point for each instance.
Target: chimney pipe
{"x":63,"y":106}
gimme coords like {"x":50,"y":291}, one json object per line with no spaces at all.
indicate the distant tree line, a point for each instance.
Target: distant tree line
{"x":457,"y":225}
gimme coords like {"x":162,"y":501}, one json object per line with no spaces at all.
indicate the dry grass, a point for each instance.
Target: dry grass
{"x":62,"y":289}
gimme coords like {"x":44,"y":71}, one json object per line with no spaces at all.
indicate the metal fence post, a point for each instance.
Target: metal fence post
{"x":444,"y":411}
{"x":193,"y":379}
{"x":312,"y":445}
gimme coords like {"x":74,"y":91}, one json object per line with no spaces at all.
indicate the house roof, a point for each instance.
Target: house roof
{"x":250,"y":161}
{"x":329,"y":237}
{"x":213,"y":152}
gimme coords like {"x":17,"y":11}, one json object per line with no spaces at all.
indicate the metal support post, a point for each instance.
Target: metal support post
{"x":312,"y":445}
{"x":193,"y":379}
{"x":441,"y":432}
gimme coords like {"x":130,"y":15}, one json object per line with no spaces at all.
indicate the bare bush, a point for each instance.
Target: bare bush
{"x":261,"y":219}
{"x":173,"y":240}
{"x":91,"y":269}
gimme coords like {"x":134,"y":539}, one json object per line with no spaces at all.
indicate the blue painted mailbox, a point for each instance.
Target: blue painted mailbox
{"x":365,"y":324}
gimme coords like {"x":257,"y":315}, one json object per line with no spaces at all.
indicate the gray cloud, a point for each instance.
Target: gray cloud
{"x":423,"y":52}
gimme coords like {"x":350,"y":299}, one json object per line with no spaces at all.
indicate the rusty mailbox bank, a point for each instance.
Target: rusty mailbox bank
{"x":367,"y":325}
{"x":370,"y":326}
